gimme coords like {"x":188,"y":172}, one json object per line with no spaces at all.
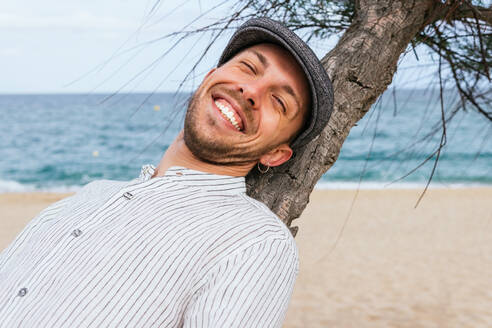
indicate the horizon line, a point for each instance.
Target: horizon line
{"x":48,"y":93}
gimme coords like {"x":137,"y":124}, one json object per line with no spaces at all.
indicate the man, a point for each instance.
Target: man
{"x":182,"y":245}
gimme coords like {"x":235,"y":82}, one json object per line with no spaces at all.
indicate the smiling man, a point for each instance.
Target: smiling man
{"x":248,"y":110}
{"x":182,"y":245}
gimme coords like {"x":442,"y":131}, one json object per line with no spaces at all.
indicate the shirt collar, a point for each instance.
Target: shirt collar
{"x":223,"y":184}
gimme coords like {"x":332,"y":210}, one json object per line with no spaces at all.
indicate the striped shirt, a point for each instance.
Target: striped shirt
{"x":187,"y":249}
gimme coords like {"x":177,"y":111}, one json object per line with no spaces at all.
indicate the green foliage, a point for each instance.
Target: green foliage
{"x":462,"y":39}
{"x":318,"y":19}
{"x":456,"y":35}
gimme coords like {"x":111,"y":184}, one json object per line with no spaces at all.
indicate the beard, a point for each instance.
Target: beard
{"x":212,"y":148}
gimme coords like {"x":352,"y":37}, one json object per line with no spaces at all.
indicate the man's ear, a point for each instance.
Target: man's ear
{"x":277,"y":156}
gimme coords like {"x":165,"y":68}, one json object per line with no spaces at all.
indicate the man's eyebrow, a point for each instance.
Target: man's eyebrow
{"x":261,"y":58}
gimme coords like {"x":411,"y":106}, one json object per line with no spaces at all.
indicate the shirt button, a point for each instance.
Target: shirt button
{"x":22,"y":292}
{"x":128,"y":195}
{"x":76,"y":232}
{"x":179,"y":174}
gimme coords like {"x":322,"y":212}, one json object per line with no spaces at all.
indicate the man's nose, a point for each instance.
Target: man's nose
{"x":252,"y":93}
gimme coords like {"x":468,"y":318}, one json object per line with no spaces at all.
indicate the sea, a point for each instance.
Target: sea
{"x":60,"y":142}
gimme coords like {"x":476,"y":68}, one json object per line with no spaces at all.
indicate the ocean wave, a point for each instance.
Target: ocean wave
{"x":15,"y":186}
{"x":350,"y":185}
{"x":10,"y":186}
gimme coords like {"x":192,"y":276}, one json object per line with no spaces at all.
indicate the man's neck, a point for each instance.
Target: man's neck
{"x":178,"y":154}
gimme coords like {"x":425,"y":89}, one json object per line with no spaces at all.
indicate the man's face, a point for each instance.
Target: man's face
{"x":248,"y":109}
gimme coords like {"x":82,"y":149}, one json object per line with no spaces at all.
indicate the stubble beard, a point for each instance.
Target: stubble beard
{"x":211,"y":149}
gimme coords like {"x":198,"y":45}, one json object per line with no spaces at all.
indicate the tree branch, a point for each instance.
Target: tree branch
{"x":475,"y":12}
{"x":455,"y":11}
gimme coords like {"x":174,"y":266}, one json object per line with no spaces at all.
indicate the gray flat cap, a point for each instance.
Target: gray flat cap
{"x":266,"y":30}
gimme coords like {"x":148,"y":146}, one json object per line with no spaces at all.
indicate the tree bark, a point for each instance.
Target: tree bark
{"x":361,"y":67}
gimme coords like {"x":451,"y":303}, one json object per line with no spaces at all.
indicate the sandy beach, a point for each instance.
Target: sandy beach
{"x":387,"y":264}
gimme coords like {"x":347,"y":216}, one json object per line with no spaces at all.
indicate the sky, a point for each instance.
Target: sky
{"x":91,"y":46}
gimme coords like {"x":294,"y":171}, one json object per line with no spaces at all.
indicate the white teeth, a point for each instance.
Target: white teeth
{"x":227,"y":113}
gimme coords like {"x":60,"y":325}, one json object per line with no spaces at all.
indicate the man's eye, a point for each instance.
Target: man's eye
{"x":251,"y":68}
{"x":281,"y":103}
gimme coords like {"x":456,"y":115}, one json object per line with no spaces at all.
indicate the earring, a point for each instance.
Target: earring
{"x":263,"y":171}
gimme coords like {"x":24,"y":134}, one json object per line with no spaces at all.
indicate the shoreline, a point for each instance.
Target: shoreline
{"x":11,"y":187}
{"x":374,"y":262}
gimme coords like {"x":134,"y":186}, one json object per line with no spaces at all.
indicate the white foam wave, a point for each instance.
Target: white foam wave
{"x":322,"y":185}
{"x":15,"y":186}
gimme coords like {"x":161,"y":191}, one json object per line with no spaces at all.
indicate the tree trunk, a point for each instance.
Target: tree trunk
{"x":361,"y":67}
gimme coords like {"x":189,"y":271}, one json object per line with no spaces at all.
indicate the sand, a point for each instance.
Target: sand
{"x":385,"y":265}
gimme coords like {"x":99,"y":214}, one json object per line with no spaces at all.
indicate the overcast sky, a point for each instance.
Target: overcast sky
{"x":47,"y":45}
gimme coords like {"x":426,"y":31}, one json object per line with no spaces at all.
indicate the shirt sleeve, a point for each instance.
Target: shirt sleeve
{"x":250,"y":289}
